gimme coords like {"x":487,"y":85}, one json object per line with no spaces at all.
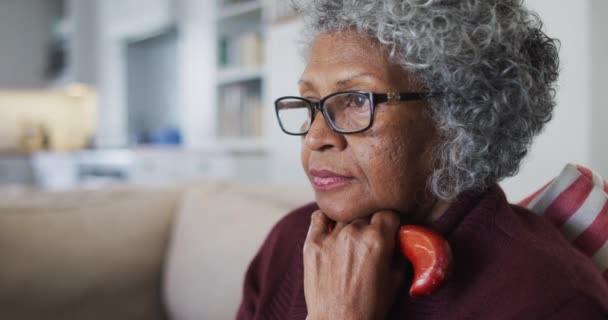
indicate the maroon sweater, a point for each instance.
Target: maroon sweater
{"x":509,"y":264}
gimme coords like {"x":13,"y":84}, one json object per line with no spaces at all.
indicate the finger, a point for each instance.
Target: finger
{"x":339,"y":226}
{"x":360,"y":223}
{"x":386,"y":221}
{"x":319,"y":226}
{"x":356,"y":226}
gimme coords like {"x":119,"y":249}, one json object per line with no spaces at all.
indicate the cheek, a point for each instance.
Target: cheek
{"x":389,"y":163}
{"x":392,"y":166}
{"x":379,"y":156}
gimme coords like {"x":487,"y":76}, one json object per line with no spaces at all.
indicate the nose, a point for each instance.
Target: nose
{"x":321,"y":137}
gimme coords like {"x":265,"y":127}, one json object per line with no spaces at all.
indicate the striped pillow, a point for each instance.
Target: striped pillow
{"x":577,"y":203}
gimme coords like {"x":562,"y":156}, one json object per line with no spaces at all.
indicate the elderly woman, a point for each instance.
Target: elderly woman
{"x":410,"y":112}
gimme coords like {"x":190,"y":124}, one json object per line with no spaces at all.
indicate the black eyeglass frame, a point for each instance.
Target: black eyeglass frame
{"x":374,"y":99}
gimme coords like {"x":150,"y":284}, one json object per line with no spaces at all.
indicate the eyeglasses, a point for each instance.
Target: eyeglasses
{"x":345,"y":112}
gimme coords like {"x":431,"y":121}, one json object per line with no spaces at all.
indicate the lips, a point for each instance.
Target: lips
{"x":326,"y":180}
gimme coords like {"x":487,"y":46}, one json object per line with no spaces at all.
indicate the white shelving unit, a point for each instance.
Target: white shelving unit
{"x":240,"y":74}
{"x":238,"y":9}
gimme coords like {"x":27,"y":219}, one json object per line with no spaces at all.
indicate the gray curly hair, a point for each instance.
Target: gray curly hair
{"x":495,"y":68}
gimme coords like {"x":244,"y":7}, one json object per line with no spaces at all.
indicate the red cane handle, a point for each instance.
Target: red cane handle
{"x":429,"y":254}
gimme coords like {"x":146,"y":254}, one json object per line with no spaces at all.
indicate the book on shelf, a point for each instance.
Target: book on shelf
{"x":243,"y":50}
{"x":240,"y":112}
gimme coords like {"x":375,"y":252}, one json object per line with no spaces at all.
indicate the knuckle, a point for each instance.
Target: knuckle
{"x":369,"y":247}
{"x":311,"y":249}
{"x":316,"y":216}
{"x":389,"y":217}
{"x":375,"y":235}
{"x":370,"y":241}
{"x":317,"y":220}
{"x":349,"y":232}
{"x":373,"y":239}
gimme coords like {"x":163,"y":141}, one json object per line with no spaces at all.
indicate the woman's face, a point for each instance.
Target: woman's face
{"x":383,"y":168}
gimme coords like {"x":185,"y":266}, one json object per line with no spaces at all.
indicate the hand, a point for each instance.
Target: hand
{"x":350,"y":272}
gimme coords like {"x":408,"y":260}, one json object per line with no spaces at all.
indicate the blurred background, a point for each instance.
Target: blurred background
{"x":95,"y":93}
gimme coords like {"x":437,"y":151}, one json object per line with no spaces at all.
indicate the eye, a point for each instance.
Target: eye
{"x":358,"y":101}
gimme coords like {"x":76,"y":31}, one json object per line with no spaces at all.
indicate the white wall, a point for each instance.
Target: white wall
{"x":24,"y":35}
{"x":599,"y":85}
{"x":567,"y":138}
{"x":197,"y":70}
{"x":283,"y":70}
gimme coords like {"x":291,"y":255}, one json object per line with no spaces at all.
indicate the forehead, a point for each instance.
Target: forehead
{"x":340,"y":55}
{"x":348,"y":40}
{"x":347,"y":47}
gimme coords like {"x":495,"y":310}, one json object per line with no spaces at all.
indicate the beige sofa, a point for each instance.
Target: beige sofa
{"x":133,"y":252}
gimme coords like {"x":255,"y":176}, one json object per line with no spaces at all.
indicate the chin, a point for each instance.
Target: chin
{"x":341,"y":211}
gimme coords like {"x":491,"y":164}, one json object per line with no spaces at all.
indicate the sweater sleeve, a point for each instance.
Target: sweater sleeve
{"x":579,"y":307}
{"x":256,"y":276}
{"x":251,"y":291}
{"x":259,"y":273}
{"x":275,"y":259}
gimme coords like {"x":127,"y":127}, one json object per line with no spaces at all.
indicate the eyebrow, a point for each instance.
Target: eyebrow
{"x":342,"y":83}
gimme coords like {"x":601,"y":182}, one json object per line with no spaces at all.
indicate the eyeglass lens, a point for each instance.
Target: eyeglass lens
{"x":346,"y":112}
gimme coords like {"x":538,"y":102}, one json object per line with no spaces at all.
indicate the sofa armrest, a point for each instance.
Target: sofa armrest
{"x":84,"y":255}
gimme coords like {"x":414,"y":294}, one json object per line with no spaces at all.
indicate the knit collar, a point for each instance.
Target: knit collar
{"x":465,"y":204}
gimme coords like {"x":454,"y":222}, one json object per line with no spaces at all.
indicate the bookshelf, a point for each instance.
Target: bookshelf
{"x":240,"y":80}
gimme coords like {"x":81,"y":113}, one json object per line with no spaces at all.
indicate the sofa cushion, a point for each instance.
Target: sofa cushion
{"x":84,"y":255}
{"x":216,"y":234}
{"x":576,"y":202}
